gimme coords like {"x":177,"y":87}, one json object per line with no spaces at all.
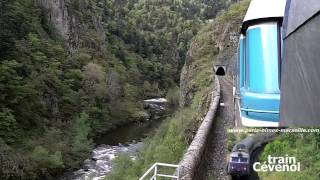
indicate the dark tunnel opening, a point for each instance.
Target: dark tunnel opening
{"x":220,"y":71}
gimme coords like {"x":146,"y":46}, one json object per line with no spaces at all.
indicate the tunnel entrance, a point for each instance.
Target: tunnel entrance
{"x":220,"y":71}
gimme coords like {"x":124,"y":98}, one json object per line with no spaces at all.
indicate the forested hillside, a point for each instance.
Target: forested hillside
{"x":71,"y":69}
{"x":213,"y":42}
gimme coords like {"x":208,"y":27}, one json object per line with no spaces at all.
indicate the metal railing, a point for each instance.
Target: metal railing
{"x":259,"y":111}
{"x":154,"y":169}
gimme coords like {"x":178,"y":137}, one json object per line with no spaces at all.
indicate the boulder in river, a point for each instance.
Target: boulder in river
{"x":155,"y":107}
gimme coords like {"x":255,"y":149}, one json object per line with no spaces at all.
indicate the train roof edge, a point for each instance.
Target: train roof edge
{"x":263,"y":10}
{"x":300,"y":82}
{"x":298,"y":12}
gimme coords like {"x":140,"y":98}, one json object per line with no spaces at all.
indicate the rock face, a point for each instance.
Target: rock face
{"x":224,"y":37}
{"x":58,"y":15}
{"x":187,"y":85}
{"x":63,"y":16}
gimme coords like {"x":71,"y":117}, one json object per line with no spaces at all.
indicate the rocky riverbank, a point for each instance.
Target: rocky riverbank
{"x":123,"y":140}
{"x":100,"y":163}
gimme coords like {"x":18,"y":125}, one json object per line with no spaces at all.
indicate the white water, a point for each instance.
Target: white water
{"x":100,"y":162}
{"x":159,"y":100}
{"x":99,"y":165}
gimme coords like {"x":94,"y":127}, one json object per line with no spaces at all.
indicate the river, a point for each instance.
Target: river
{"x":126,"y":139}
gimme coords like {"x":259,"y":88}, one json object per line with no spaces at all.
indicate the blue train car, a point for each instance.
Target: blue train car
{"x":260,"y":51}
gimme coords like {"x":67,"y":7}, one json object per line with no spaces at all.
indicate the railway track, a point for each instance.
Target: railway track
{"x":257,"y":142}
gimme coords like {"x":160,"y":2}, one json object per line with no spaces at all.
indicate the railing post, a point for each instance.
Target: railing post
{"x":178,"y":173}
{"x":154,"y":168}
{"x":155,"y":172}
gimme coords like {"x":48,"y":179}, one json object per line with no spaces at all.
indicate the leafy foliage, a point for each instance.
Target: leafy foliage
{"x":300,"y":145}
{"x":173,"y":96}
{"x":57,"y":91}
{"x":8,"y":125}
{"x":173,"y":137}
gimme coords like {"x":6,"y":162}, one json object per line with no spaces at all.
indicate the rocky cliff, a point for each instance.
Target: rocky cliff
{"x":73,"y":20}
{"x":216,"y":43}
{"x":73,"y":69}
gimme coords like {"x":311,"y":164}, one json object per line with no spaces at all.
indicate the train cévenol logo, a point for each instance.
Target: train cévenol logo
{"x":278,"y":164}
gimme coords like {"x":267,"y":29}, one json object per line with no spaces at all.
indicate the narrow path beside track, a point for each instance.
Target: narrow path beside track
{"x":213,"y":164}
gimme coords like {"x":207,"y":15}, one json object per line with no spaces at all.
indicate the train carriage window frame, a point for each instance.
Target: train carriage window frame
{"x":235,"y":159}
{"x":239,"y":159}
{"x":243,"y":160}
{"x":241,"y":62}
{"x":280,"y":39}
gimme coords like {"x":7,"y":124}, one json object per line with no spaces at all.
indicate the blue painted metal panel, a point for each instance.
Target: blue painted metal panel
{"x":260,"y":95}
{"x":262,"y":59}
{"x":260,"y":102}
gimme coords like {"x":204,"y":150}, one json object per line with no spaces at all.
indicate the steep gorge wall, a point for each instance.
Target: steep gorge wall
{"x":217,"y":41}
{"x":67,"y":18}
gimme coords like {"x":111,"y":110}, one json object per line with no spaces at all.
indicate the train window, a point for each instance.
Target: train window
{"x":243,"y":159}
{"x":234,"y":159}
{"x":262,"y":58}
{"x":241,"y":147}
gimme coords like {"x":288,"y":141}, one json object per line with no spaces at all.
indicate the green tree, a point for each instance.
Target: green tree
{"x":8,"y":125}
{"x":44,"y":159}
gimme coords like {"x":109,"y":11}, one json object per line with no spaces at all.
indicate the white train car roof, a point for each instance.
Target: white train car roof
{"x":263,"y":9}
